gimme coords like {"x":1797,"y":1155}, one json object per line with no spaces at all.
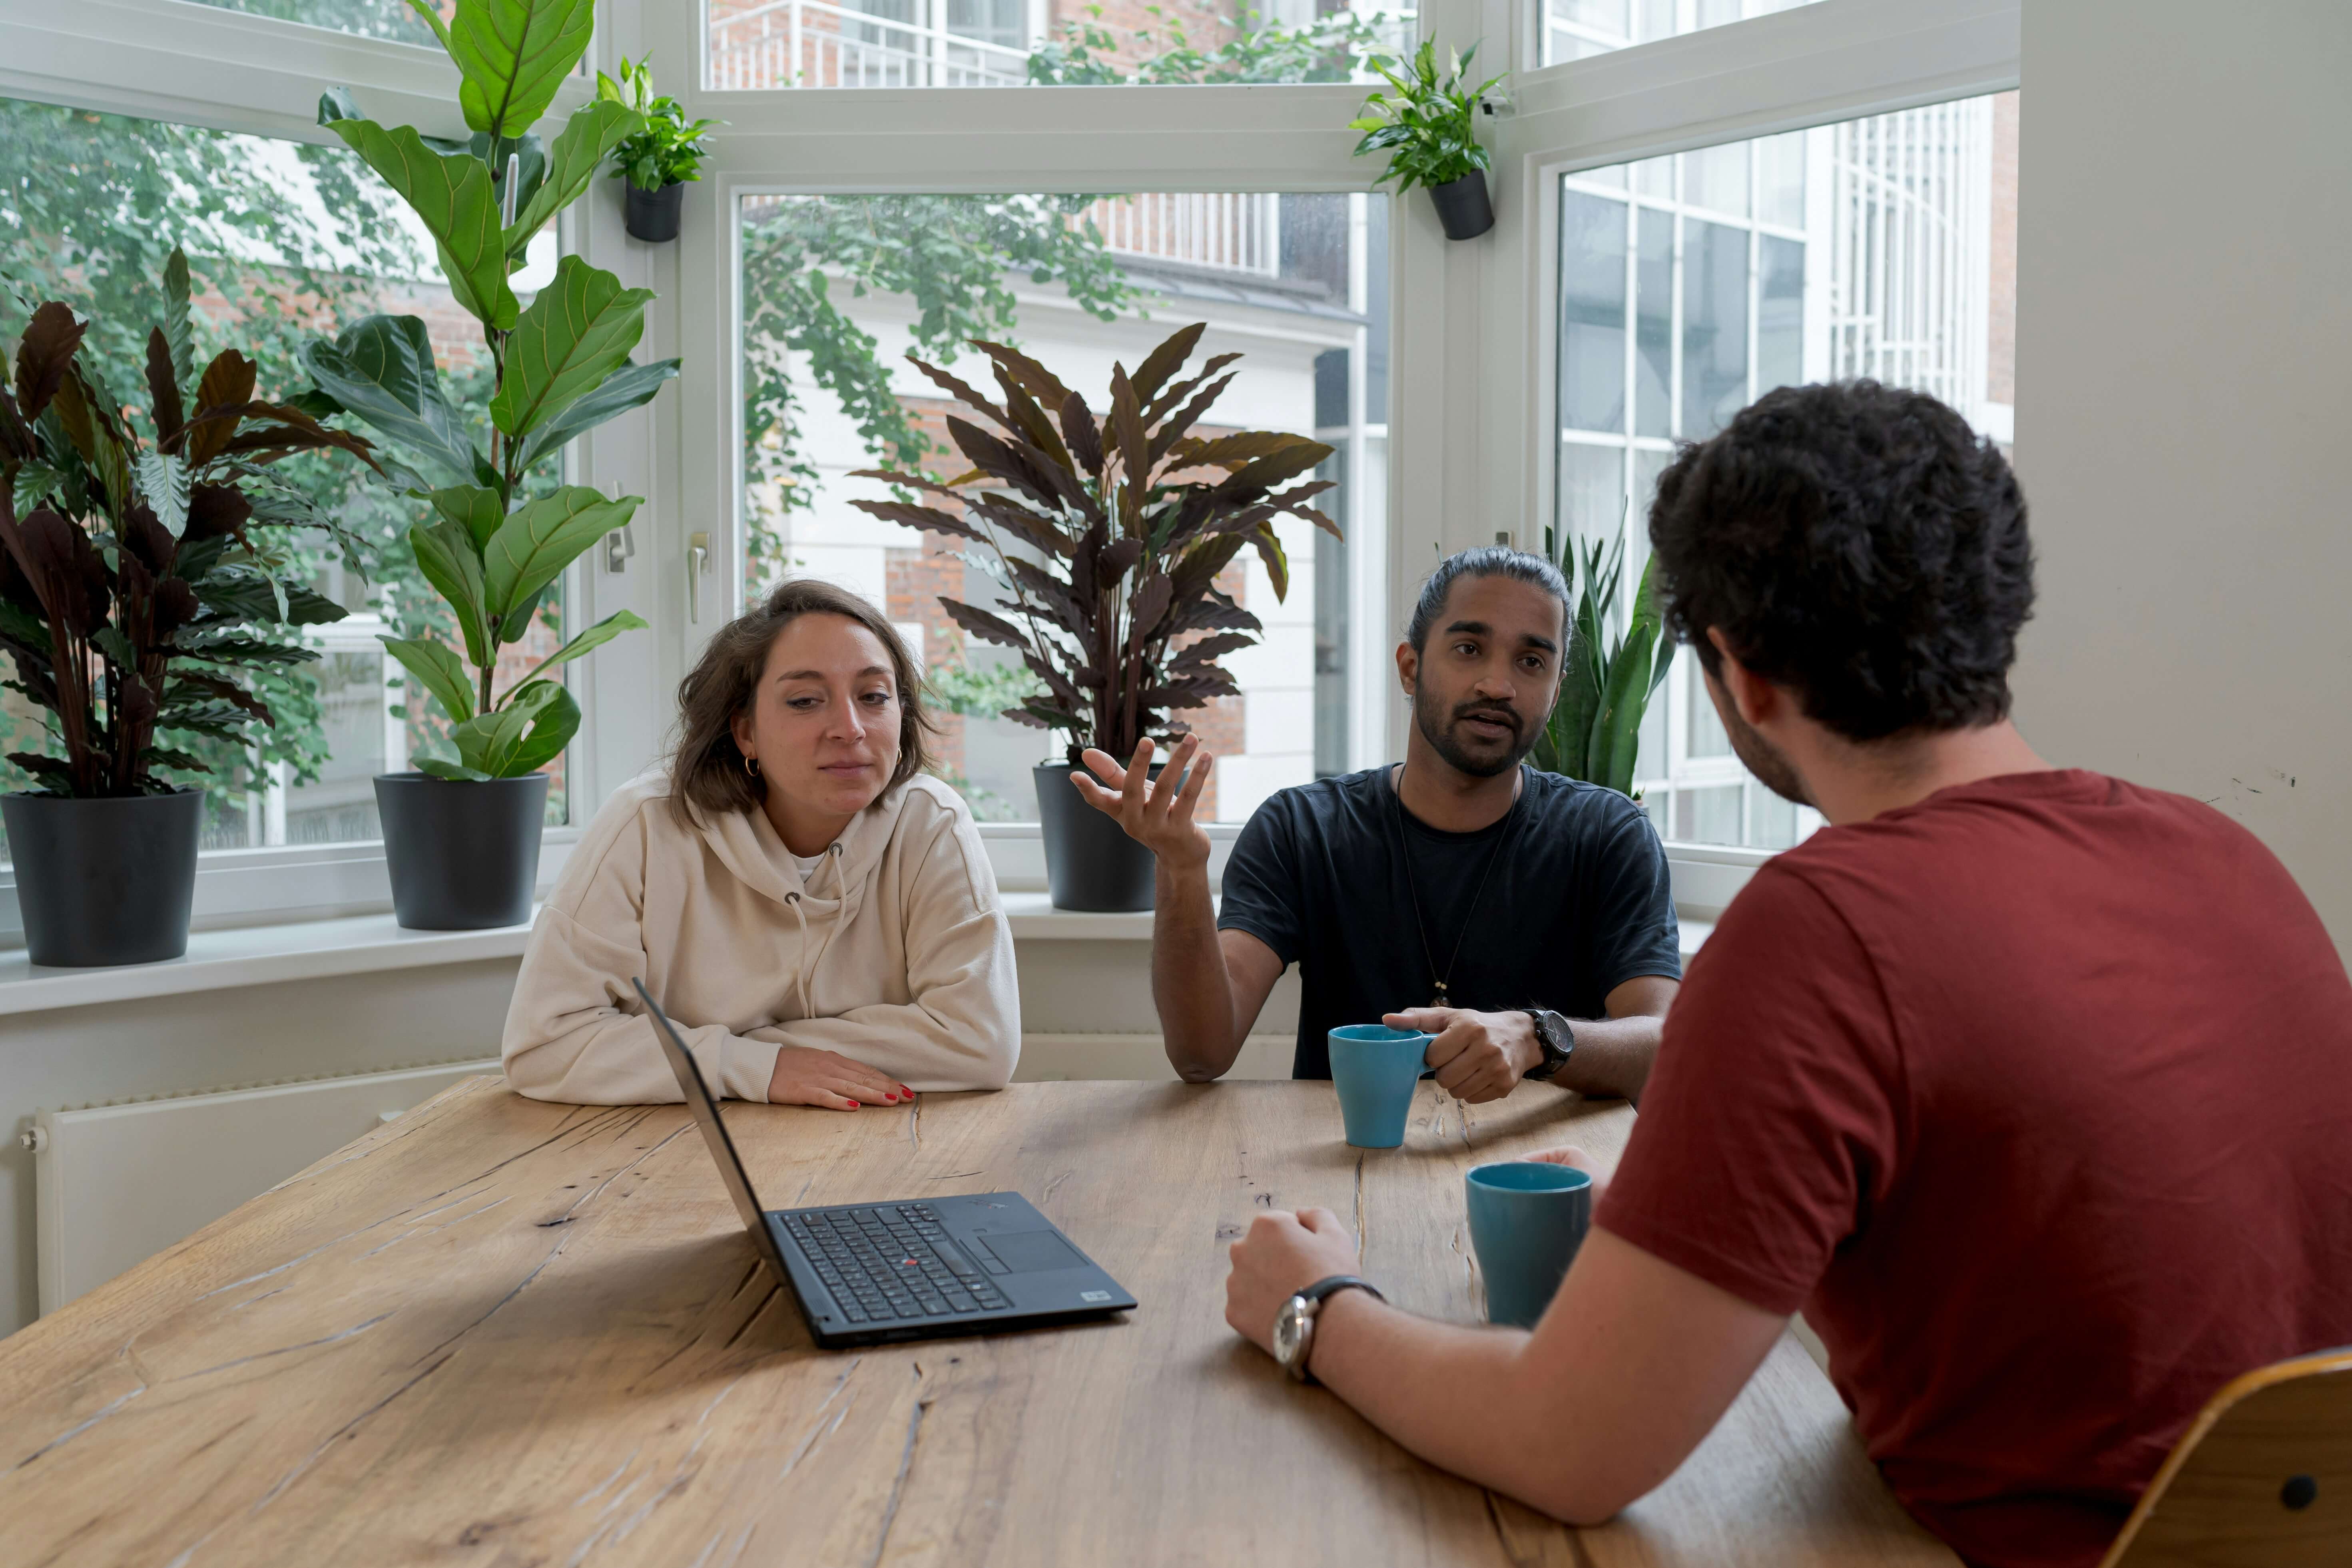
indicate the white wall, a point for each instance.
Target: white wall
{"x":2184,"y":380}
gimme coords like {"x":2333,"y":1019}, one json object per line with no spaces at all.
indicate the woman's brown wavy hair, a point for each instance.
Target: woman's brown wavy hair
{"x":705,"y":771}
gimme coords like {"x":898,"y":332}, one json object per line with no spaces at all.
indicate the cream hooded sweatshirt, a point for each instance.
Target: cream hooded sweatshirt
{"x":893,"y":951}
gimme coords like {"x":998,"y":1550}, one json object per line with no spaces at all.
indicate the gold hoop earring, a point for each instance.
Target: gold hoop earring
{"x":752,"y":766}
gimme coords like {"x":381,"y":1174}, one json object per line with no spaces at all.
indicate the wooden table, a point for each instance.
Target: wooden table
{"x":503,"y":1332}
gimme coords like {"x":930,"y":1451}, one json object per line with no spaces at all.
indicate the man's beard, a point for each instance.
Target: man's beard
{"x":1477,"y":764}
{"x":1762,"y":758}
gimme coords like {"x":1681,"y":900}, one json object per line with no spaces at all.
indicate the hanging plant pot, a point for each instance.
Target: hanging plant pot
{"x":652,"y":215}
{"x":463,"y":856}
{"x":1463,"y":209}
{"x":1090,"y":862}
{"x":105,"y":881}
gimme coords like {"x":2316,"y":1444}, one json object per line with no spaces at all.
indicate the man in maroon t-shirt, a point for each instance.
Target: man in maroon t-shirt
{"x":2031,"y":1087}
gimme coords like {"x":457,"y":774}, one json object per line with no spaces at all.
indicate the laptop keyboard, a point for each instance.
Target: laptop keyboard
{"x":891,"y":1261}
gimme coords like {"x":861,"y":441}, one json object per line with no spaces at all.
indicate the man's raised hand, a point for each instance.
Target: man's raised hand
{"x":1158,"y":816}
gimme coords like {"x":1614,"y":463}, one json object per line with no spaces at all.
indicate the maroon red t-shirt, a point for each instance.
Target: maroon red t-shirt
{"x":2036,"y":1097}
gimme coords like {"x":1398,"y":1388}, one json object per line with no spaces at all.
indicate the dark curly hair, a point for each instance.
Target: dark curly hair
{"x":1857,"y":542}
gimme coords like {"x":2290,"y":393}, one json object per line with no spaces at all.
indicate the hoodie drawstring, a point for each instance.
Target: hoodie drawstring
{"x":806,"y":966}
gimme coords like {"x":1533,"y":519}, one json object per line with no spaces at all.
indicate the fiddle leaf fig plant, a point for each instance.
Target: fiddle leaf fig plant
{"x":492,"y":546}
{"x":1110,"y":534}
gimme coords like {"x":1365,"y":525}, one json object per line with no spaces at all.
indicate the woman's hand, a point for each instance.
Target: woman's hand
{"x":807,"y":1076}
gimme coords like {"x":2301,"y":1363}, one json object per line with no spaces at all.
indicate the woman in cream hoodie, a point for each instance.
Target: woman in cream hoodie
{"x":813,"y":910}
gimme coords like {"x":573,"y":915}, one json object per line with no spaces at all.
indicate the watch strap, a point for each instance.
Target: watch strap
{"x":1555,"y":1038}
{"x":1314,"y":1296}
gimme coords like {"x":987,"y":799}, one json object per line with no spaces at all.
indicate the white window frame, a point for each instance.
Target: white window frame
{"x":1470,"y":445}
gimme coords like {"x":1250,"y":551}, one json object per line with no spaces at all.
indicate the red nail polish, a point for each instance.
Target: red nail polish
{"x":853,"y":1105}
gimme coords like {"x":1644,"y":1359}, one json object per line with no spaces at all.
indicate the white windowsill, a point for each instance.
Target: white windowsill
{"x":366,"y":944}
{"x":254,"y":955}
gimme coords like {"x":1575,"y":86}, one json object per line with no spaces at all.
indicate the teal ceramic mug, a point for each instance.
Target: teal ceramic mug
{"x":1374,"y":1069}
{"x":1527,"y":1220}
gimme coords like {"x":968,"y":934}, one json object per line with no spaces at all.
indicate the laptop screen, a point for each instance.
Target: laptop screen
{"x":705,"y":1106}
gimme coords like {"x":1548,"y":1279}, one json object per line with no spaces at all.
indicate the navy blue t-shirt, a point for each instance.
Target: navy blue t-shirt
{"x":1576,"y":901}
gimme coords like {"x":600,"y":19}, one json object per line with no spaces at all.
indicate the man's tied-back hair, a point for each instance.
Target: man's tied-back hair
{"x":1485,"y":561}
{"x":1858,"y":543}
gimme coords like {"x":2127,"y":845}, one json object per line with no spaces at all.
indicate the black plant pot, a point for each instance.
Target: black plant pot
{"x":463,"y":856}
{"x":1463,"y":209}
{"x":105,"y":881}
{"x":652,"y":215}
{"x":1090,"y":862}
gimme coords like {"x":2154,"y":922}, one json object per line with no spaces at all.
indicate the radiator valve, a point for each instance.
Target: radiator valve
{"x":34,"y":1139}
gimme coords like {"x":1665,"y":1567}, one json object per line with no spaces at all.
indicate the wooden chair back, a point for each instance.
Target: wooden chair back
{"x":2262,"y":1477}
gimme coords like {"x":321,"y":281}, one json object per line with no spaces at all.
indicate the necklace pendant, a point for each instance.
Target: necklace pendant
{"x":1440,"y":999}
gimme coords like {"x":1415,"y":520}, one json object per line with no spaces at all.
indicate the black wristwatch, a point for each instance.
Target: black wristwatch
{"x":1294,"y":1325}
{"x":1556,"y":1038}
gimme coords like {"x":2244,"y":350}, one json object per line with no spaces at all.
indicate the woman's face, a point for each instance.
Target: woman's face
{"x":824,"y":722}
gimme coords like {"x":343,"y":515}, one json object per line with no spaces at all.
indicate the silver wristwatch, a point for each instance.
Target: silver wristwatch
{"x":1555,"y":1038}
{"x":1294,"y":1325}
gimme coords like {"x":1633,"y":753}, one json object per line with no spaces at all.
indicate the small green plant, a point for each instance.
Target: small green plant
{"x":1609,"y":675}
{"x":668,"y":151}
{"x":1426,"y":125}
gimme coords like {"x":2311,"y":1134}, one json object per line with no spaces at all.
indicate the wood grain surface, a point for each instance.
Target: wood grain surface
{"x":497,"y":1332}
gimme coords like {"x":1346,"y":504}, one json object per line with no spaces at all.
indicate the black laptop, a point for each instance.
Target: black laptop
{"x":867,"y":1273}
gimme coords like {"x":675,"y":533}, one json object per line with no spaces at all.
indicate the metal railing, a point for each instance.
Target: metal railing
{"x":1225,"y":231}
{"x":811,"y":43}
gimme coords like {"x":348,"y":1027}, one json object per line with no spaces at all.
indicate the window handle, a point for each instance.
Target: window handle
{"x":698,"y":566}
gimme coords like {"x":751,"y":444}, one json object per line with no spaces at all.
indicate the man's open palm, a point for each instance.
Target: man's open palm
{"x":1158,"y":816}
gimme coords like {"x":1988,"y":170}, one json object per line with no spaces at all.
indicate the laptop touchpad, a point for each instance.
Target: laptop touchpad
{"x":1033,"y":1251}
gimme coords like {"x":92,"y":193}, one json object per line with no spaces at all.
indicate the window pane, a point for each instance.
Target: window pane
{"x":1780,"y":180}
{"x":833,"y":301}
{"x":1883,"y":246}
{"x":1653,"y":326}
{"x":393,"y":19}
{"x":1717,"y":178}
{"x":1780,"y":313}
{"x":1707,"y":816}
{"x":1579,"y":27}
{"x":758,"y":45}
{"x":1591,"y":489}
{"x":1591,"y":313}
{"x":1714,"y":326}
{"x":283,"y":241}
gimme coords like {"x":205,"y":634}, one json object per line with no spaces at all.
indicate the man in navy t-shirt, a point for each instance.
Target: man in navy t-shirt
{"x":1523,"y":919}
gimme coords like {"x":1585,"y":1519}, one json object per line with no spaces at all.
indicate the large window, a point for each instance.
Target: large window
{"x":284,"y":242}
{"x":1574,"y":29}
{"x":761,"y":44}
{"x":1690,"y":285}
{"x":835,"y":296}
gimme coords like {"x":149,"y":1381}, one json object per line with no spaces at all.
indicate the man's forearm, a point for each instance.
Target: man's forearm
{"x":1190,"y":985}
{"x":1612,"y":1056}
{"x":1457,"y":1396}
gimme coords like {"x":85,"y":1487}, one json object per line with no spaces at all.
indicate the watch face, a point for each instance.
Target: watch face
{"x":1289,"y":1328}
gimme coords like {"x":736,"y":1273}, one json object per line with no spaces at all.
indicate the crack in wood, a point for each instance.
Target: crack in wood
{"x":905,"y":1463}
{"x":774,"y":1293}
{"x":1051,"y":1187}
{"x":1360,"y":1212}
{"x":285,"y":1350}
{"x":553,"y":1252}
{"x":915,"y":1124}
{"x":291,"y":1477}
{"x":592,"y":1493}
{"x":435,"y":1229}
{"x":70,"y":1433}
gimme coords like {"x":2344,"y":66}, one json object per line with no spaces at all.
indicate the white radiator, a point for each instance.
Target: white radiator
{"x":116,"y":1184}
